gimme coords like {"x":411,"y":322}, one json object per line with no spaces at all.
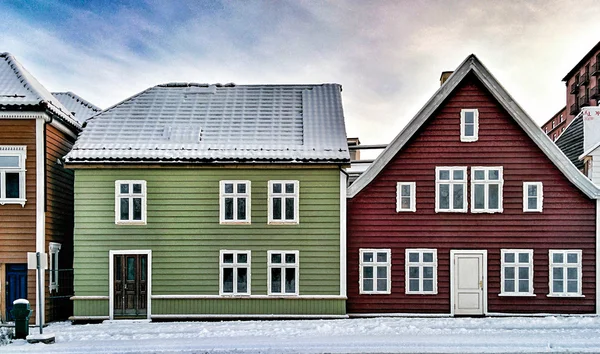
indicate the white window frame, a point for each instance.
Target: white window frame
{"x":283,"y":266}
{"x":564,"y":265}
{"x":236,"y":197}
{"x":21,"y":153}
{"x":463,"y":137}
{"x":421,"y":264}
{"x":487,"y":182}
{"x":539,"y":196}
{"x":412,"y":196}
{"x":53,"y":273}
{"x":516,"y":264}
{"x":283,"y":195}
{"x":374,"y":265}
{"x":452,"y":182}
{"x":130,"y":195}
{"x":235,"y":265}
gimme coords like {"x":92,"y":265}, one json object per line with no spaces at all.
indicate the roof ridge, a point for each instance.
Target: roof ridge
{"x":78,"y":98}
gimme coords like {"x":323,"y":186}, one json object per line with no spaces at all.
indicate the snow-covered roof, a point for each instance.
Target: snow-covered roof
{"x":472,"y":65}
{"x":185,"y":122}
{"x":19,"y":88}
{"x":79,"y":107}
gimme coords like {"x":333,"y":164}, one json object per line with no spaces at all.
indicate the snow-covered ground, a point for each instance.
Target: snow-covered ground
{"x":374,"y":335}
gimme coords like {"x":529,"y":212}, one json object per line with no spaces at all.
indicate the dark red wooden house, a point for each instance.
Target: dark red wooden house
{"x":472,"y":210}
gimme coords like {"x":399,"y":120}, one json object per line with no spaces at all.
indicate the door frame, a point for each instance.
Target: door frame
{"x":111,"y":280}
{"x":453,"y":254}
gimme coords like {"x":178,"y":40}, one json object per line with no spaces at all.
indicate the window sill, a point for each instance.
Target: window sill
{"x":517,"y":295}
{"x":130,"y":223}
{"x":564,"y":295}
{"x":283,"y":223}
{"x":499,"y":211}
{"x":375,"y":293}
{"x":415,"y":293}
{"x":532,"y":211}
{"x":406,"y":210}
{"x":466,"y":139}
{"x":283,"y":295}
{"x":13,"y":201}
{"x":451,"y":210}
{"x":222,"y":222}
{"x":235,"y":296}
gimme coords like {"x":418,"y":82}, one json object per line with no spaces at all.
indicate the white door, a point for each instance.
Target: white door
{"x":469,"y":282}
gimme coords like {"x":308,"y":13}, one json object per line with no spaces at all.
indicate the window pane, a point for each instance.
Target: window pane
{"x":524,"y":257}
{"x":572,"y":257}
{"x":228,"y":258}
{"x":242,"y":280}
{"x":124,"y":208}
{"x":458,"y":175}
{"x":381,"y":284}
{"x":458,"y":196}
{"x":124,"y":188}
{"x":382,"y":272}
{"x":469,"y":130}
{"x":479,"y":175}
{"x":557,"y":257}
{"x":405,"y":203}
{"x":276,"y":258}
{"x":469,"y":117}
{"x":427,"y":257}
{"x":557,"y":273}
{"x":479,"y":191}
{"x":276,"y":208}
{"x":276,"y":280}
{"x":368,"y":285}
{"x":118,"y":267}
{"x":228,"y":187}
{"x":9,"y":161}
{"x":227,"y":280}
{"x":381,"y":257}
{"x":509,"y":257}
{"x":241,"y":209}
{"x":444,"y":175}
{"x":228,"y":208}
{"x":557,"y":286}
{"x":289,"y":188}
{"x":241,"y":188}
{"x":413,"y":272}
{"x":494,"y":196}
{"x":413,"y":285}
{"x":367,"y":272}
{"x":572,"y":273}
{"x":242,"y":258}
{"x":289,"y":208}
{"x":427,"y":272}
{"x":427,"y":285}
{"x":290,"y":258}
{"x":532,"y":190}
{"x":509,"y":285}
{"x":572,"y":286}
{"x":276,"y":187}
{"x":130,"y":268}
{"x":143,"y":267}
{"x":532,"y":203}
{"x":413,"y":257}
{"x":367,"y":256}
{"x":137,"y":208}
{"x":290,"y":280}
{"x":444,"y":197}
{"x":137,"y":188}
{"x":12,"y":185}
{"x":523,"y":272}
{"x":494,"y":175}
{"x":405,"y":190}
{"x":509,"y":272}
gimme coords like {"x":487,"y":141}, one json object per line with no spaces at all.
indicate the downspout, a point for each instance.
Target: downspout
{"x":40,"y":203}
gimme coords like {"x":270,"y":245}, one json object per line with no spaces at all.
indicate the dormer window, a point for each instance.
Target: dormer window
{"x":469,"y":125}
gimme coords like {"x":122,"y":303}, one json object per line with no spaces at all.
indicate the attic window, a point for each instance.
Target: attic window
{"x":469,"y":125}
{"x":183,"y":133}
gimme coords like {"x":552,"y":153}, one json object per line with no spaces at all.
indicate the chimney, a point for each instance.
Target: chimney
{"x":445,"y":76}
{"x":591,"y":142}
{"x":354,"y":154}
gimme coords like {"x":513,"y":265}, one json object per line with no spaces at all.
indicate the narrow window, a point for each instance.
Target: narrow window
{"x":283,"y":269}
{"x":53,"y":273}
{"x":533,"y":196}
{"x":517,"y":272}
{"x":283,"y":202}
{"x":12,"y":174}
{"x":469,"y":125}
{"x":565,"y":273}
{"x":375,"y":268}
{"x":235,"y":202}
{"x":450,"y":189}
{"x":406,"y":199}
{"x":130,"y":202}
{"x":421,"y":271}
{"x":553,"y":125}
{"x":486,"y":189}
{"x":235,"y":273}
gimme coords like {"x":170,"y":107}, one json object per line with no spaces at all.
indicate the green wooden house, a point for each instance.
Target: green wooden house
{"x":197,"y":201}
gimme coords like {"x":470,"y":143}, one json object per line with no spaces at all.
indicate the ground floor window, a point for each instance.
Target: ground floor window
{"x":517,"y":272}
{"x":235,"y":272}
{"x":283,"y":269}
{"x":421,"y":271}
{"x":565,"y":273}
{"x":375,"y":267}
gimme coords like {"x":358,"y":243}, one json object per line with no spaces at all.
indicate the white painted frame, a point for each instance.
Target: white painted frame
{"x":131,"y":196}
{"x":235,"y":265}
{"x":412,"y":196}
{"x":19,"y":151}
{"x":420,"y":264}
{"x":540,"y":197}
{"x":516,"y":264}
{"x":271,"y":195}
{"x":453,"y":254}
{"x":343,"y":231}
{"x":374,"y":265}
{"x":53,"y":251}
{"x":283,"y":266}
{"x":236,"y":196}
{"x":451,"y":182}
{"x":486,"y":182}
{"x":111,"y":281}
{"x":564,"y":265}
{"x":467,"y":138}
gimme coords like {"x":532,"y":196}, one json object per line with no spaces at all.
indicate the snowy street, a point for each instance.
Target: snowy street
{"x":374,"y":335}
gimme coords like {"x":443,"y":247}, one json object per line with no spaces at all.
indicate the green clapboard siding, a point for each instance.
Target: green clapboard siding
{"x":247,"y":306}
{"x":90,"y":307}
{"x":185,"y":236}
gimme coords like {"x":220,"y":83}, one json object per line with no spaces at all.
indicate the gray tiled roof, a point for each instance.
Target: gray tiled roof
{"x":570,"y":142}
{"x":182,"y":122}
{"x":79,"y":107}
{"x":19,"y":88}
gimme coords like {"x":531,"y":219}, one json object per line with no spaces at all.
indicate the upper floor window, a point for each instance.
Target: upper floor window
{"x":406,"y":199}
{"x":562,"y":118}
{"x":130,"y":202}
{"x":517,"y":272}
{"x":553,"y":124}
{"x":554,"y":136}
{"x":469,"y":125}
{"x":533,"y":196}
{"x":486,"y":189}
{"x":235,"y":273}
{"x":283,"y":272}
{"x":545,"y":129}
{"x":235,"y":202}
{"x":375,"y":277}
{"x":565,"y":273}
{"x":450,"y":189}
{"x":283,"y":202}
{"x":421,"y":271}
{"x":12,"y":174}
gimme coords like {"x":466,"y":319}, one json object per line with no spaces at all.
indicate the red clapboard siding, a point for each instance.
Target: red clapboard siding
{"x":567,"y":222}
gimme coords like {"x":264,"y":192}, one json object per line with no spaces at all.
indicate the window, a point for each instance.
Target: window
{"x":517,"y":272}
{"x":553,"y":125}
{"x":130,"y":202}
{"x":486,"y":189}
{"x":421,"y":271}
{"x":469,"y":125}
{"x":375,"y":271}
{"x":562,"y":129}
{"x":565,"y":273}
{"x":450,"y":189}
{"x":235,"y":202}
{"x":283,"y":272}
{"x":533,"y":196}
{"x":53,"y":273}
{"x":283,"y":202}
{"x":554,"y":136}
{"x":406,"y":199}
{"x":12,"y":174}
{"x":562,"y":118}
{"x":235,"y":273}
{"x":546,"y":130}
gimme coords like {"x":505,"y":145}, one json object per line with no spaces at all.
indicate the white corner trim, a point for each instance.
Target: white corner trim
{"x":111,"y":282}
{"x":343,"y":236}
{"x":40,"y":215}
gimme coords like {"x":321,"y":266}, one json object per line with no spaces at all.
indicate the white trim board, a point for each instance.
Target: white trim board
{"x":40,"y":215}
{"x":111,"y":284}
{"x":343,"y":231}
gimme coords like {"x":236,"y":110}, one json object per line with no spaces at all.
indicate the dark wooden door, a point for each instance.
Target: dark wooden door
{"x":130,"y":285}
{"x":16,"y":286}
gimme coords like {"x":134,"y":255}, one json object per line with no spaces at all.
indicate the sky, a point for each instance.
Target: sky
{"x":387,"y":55}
